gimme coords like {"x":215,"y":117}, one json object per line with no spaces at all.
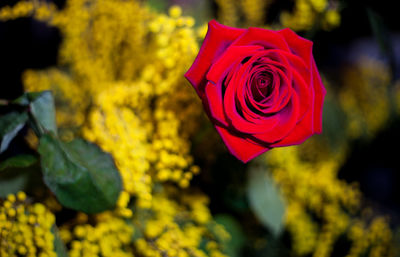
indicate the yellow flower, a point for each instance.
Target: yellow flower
{"x":26,"y":232}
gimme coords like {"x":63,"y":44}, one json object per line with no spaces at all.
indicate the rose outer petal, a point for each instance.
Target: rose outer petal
{"x":241,"y":148}
{"x":303,"y":129}
{"x":298,"y":46}
{"x":288,"y":118}
{"x":312,"y":121}
{"x":269,"y":39}
{"x":305,"y":93}
{"x":218,"y":38}
{"x":213,"y":94}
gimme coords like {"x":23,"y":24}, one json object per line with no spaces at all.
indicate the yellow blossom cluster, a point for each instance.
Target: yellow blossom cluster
{"x":178,"y":228}
{"x":309,"y":13}
{"x":313,"y":192}
{"x":119,"y":83}
{"x":124,"y":132}
{"x":321,"y":208}
{"x":376,"y":238}
{"x":306,"y":14}
{"x":41,"y":10}
{"x":311,"y":186}
{"x":227,"y":13}
{"x":364,"y":97}
{"x":247,"y":12}
{"x":89,"y":50}
{"x":244,"y":12}
{"x":254,"y":11}
{"x":171,"y":228}
{"x":25,"y":228}
{"x":20,"y":9}
{"x":40,"y":80}
{"x":110,"y":236}
{"x":148,"y":146}
{"x":140,"y":110}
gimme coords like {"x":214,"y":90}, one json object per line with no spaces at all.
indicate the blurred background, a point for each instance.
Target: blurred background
{"x":335,"y":195}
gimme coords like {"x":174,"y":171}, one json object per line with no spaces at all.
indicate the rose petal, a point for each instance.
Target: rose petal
{"x":300,"y":133}
{"x":288,"y":118}
{"x":230,"y":57}
{"x":280,"y":91}
{"x":284,"y":92}
{"x":240,"y":147}
{"x":299,"y":46}
{"x":292,"y":61}
{"x":264,"y":37}
{"x":312,"y":121}
{"x":303,"y":129}
{"x":215,"y":103}
{"x":218,"y":38}
{"x":305,"y":93}
{"x":236,"y":119}
{"x":267,"y":105}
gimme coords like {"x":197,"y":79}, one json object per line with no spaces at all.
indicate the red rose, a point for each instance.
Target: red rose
{"x":260,"y":88}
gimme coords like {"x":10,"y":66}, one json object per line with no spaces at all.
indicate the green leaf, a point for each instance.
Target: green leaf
{"x":265,"y":199}
{"x":14,"y":179}
{"x":235,"y":244}
{"x":158,"y":5}
{"x":18,"y":161}
{"x":23,"y":100}
{"x":80,"y":174}
{"x":59,"y":246}
{"x":10,"y":125}
{"x":43,"y":110}
{"x":27,"y":97}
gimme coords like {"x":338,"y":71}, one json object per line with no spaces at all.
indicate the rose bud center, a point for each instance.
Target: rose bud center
{"x":261,"y":86}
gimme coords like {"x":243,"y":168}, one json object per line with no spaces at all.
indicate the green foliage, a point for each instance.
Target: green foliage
{"x":14,"y":179}
{"x":80,"y":174}
{"x":158,"y":5}
{"x":42,"y":110}
{"x":265,"y":199}
{"x":10,"y":125}
{"x":233,"y":246}
{"x":59,"y":246}
{"x":19,"y":161}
